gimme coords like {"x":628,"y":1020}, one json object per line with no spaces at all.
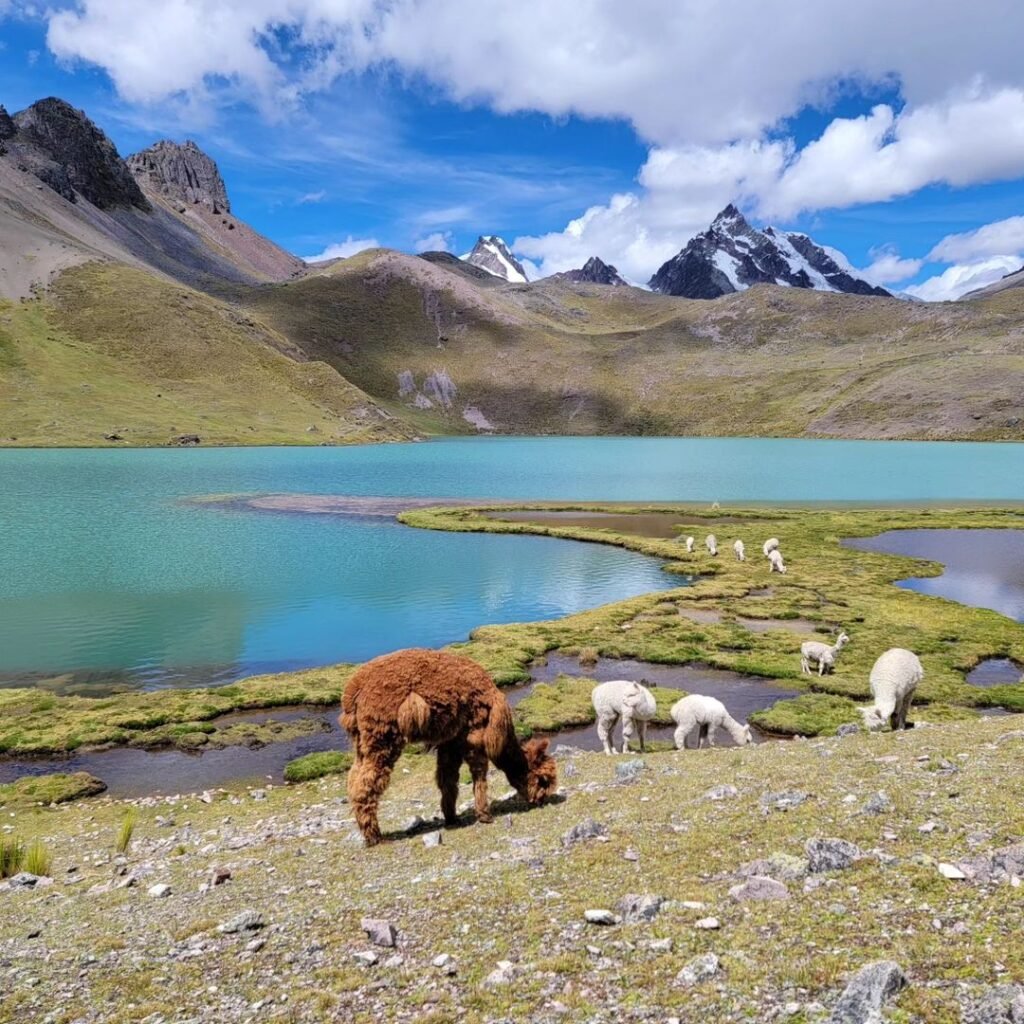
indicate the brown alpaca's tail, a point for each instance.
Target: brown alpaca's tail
{"x":500,"y":731}
{"x":414,"y":717}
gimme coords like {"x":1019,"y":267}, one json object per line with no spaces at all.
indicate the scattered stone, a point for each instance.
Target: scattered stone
{"x":878,"y":804}
{"x":783,"y":801}
{"x":631,"y":854}
{"x":1001,"y":1004}
{"x":708,"y":924}
{"x":692,"y":905}
{"x":160,"y":890}
{"x":928,"y":827}
{"x":700,"y":968}
{"x":259,"y":794}
{"x":831,"y":854}
{"x":862,"y":999}
{"x":503,"y":974}
{"x":660,"y":945}
{"x":23,"y":880}
{"x":587,"y":829}
{"x":848,"y":729}
{"x":640,"y":908}
{"x":367,"y":958}
{"x":246,"y":921}
{"x":432,"y":839}
{"x":759,"y":887}
{"x":951,"y":871}
{"x":219,"y":876}
{"x":999,"y":866}
{"x":413,"y":823}
{"x":602,"y":917}
{"x":379,"y":931}
{"x":630,"y":771}
{"x":783,"y":867}
{"x":723,"y":792}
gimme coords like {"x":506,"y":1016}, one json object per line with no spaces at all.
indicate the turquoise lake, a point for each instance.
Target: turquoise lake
{"x":108,"y":573}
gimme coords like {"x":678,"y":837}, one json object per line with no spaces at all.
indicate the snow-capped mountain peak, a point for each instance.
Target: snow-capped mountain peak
{"x":492,"y":254}
{"x":596,"y":271}
{"x":732,"y":255}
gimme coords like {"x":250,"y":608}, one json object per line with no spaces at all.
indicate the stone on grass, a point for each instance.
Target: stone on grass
{"x":586,"y":829}
{"x":951,"y":871}
{"x":367,"y":958}
{"x":848,"y":729}
{"x":379,"y":931}
{"x":783,"y":801}
{"x":160,"y":890}
{"x":759,"y":887}
{"x":1002,"y":865}
{"x":783,"y":867}
{"x":219,"y":876}
{"x":708,"y":924}
{"x":629,"y":771}
{"x":602,"y":917}
{"x":723,"y":792}
{"x":246,"y":921}
{"x":432,"y":839}
{"x":640,"y":908}
{"x":1001,"y":1004}
{"x":831,"y":854}
{"x":878,"y":804}
{"x":23,"y":880}
{"x":503,"y":974}
{"x":862,"y":999}
{"x":700,"y":968}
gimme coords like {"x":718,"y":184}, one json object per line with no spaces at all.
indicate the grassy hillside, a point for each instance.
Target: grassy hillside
{"x":564,"y":358}
{"x":111,"y":350}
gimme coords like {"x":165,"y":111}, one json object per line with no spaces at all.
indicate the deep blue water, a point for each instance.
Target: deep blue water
{"x":106,"y":571}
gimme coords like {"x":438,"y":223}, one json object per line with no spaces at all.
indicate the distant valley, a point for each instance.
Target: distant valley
{"x":137,"y":308}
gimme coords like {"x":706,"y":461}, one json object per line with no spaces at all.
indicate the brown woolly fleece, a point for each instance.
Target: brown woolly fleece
{"x":448,"y":702}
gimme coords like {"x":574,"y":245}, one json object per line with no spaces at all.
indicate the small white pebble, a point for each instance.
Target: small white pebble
{"x":951,"y":871}
{"x":708,"y":924}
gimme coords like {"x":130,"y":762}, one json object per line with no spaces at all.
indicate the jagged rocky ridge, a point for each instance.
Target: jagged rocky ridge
{"x":732,"y":255}
{"x":182,"y":173}
{"x":595,"y":271}
{"x":61,"y":147}
{"x":492,"y":254}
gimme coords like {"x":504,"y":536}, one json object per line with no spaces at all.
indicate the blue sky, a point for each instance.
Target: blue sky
{"x":373,"y":124}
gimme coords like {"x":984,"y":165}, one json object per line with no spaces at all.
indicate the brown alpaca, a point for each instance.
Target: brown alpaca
{"x":450,"y":703}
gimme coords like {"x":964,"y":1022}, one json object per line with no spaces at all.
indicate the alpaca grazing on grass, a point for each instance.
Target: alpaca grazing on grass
{"x":893,"y":680}
{"x":625,"y":699}
{"x":450,"y":703}
{"x":706,"y":714}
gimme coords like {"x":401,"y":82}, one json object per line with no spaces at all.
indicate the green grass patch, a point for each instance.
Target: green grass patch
{"x":812,"y":714}
{"x":316,"y":766}
{"x":57,"y":788}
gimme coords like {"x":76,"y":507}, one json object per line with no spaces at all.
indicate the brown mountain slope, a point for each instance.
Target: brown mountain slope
{"x":573,"y":358}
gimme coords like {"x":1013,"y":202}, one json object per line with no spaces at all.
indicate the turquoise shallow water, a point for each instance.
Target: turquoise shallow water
{"x":107,"y":573}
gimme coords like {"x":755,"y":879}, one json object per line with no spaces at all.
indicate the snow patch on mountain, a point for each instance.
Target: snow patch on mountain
{"x":492,"y":254}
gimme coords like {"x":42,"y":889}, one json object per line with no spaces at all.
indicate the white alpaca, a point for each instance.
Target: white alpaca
{"x":712,"y":543}
{"x":894,"y":678}
{"x":689,"y":543}
{"x":708,"y":715}
{"x":775,"y":562}
{"x":771,"y":544}
{"x":625,"y":699}
{"x":741,"y":551}
{"x":816,"y":652}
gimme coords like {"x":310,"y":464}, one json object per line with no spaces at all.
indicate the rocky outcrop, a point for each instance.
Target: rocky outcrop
{"x":66,"y":151}
{"x":595,"y":271}
{"x":492,"y":254}
{"x":732,"y":256}
{"x":181,"y":173}
{"x":7,"y":128}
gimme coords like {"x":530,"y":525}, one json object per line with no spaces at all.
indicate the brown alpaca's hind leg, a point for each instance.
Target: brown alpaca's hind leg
{"x":449,"y":761}
{"x":478,"y":765}
{"x":367,"y":780}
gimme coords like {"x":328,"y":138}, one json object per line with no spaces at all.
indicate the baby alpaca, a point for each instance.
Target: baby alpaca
{"x":708,"y":715}
{"x":816,"y":652}
{"x":625,"y":699}
{"x":741,"y":551}
{"x":771,"y":544}
{"x":894,"y":678}
{"x":775,"y":562}
{"x":450,"y":703}
{"x":712,"y":543}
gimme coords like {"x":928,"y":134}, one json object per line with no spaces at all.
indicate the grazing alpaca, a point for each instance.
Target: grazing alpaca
{"x":447,"y":702}
{"x":741,"y":551}
{"x":894,"y":678}
{"x":771,"y":544}
{"x":689,"y":543}
{"x":709,"y":715}
{"x":814,"y":651}
{"x":712,"y":544}
{"x":622,"y":698}
{"x":775,"y":562}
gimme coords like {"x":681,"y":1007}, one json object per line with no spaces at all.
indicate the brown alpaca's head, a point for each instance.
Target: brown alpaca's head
{"x":542,"y":772}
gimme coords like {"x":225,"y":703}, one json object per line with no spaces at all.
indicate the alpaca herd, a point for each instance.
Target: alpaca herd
{"x":450,"y":704}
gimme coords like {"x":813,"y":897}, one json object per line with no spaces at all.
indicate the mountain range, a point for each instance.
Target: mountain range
{"x":137,"y":308}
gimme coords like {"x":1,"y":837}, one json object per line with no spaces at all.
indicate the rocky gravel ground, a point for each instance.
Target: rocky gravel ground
{"x":847,"y":880}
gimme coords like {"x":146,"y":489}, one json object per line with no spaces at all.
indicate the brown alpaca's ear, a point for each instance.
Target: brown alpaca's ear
{"x":541,"y":745}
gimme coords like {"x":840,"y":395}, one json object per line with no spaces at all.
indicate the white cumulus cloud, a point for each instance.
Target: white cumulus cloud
{"x":342,"y":250}
{"x":1000,"y":238}
{"x":888,"y":267}
{"x":437,"y":241}
{"x":963,"y":278}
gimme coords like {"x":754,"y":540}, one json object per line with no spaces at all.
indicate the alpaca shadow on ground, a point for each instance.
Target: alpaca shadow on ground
{"x":508,"y":805}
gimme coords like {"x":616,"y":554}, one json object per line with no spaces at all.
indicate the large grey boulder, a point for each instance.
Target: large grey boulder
{"x":867,"y":991}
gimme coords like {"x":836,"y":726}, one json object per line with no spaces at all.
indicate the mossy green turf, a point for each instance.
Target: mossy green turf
{"x":316,"y":766}
{"x":480,"y":898}
{"x":828,"y":584}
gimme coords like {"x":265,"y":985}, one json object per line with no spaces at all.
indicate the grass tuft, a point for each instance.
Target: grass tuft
{"x":126,"y":830}
{"x":316,"y":766}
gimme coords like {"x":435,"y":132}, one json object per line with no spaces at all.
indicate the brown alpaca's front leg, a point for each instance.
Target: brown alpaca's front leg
{"x":367,"y":780}
{"x":449,"y":761}
{"x":478,"y":765}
